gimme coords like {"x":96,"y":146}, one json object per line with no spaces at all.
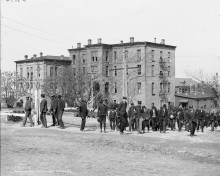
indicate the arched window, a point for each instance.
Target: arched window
{"x":106,"y":87}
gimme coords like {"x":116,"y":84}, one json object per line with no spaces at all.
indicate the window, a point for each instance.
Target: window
{"x":139,"y":102}
{"x":106,"y":56}
{"x":21,"y":72}
{"x":168,"y":55}
{"x":139,"y":69}
{"x":152,"y":55}
{"x":74,"y":72}
{"x":94,"y":69}
{"x":180,"y":90}
{"x":138,"y":55}
{"x":139,"y":87}
{"x":126,"y":54}
{"x":74,"y":59}
{"x":94,"y":56}
{"x":38,"y":71}
{"x":32,"y":73}
{"x":161,"y":74}
{"x":168,"y":72}
{"x":84,"y":70}
{"x":28,"y":74}
{"x":106,"y":87}
{"x":115,"y":68}
{"x":51,"y":71}
{"x":161,"y":86}
{"x":115,"y":86}
{"x":152,"y":88}
{"x":115,"y":56}
{"x":107,"y":71}
{"x":152,"y":70}
{"x":83,"y":59}
{"x":168,"y":87}
{"x":31,"y":85}
{"x":161,"y":55}
{"x":27,"y":85}
{"x":56,"y":71}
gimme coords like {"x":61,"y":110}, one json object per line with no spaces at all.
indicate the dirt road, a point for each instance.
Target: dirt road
{"x":52,"y":151}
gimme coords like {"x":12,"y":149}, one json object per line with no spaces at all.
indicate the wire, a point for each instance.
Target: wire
{"x":33,"y":35}
{"x":35,"y":28}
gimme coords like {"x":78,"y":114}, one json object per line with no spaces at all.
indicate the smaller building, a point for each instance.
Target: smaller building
{"x":196,"y":100}
{"x":185,"y":85}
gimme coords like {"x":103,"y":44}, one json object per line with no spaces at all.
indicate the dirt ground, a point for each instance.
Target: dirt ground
{"x":36,"y":151}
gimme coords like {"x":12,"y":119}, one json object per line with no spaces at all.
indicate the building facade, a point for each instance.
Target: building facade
{"x":35,"y":70}
{"x":141,"y":71}
{"x":185,"y":85}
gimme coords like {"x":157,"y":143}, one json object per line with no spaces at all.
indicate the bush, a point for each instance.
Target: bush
{"x":14,"y":118}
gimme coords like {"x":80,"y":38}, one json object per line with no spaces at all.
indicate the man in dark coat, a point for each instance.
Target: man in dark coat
{"x":112,"y":119}
{"x":121,"y":111}
{"x":186,"y":119}
{"x":153,"y":115}
{"x":201,"y":119}
{"x":131,"y":116}
{"x":139,"y":112}
{"x":28,"y":108}
{"x":83,"y":112}
{"x":53,"y":110}
{"x":43,"y":111}
{"x":60,"y":110}
{"x":192,"y":121}
{"x":102,"y":113}
{"x":163,"y":118}
{"x":180,"y":118}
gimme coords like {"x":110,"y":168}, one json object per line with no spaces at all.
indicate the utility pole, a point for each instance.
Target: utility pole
{"x":0,"y":53}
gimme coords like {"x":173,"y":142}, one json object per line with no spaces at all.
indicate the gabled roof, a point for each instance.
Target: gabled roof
{"x":197,"y":95}
{"x":184,"y":82}
{"x":44,"y":58}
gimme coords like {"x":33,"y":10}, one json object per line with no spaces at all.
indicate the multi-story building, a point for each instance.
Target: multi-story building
{"x":35,"y":70}
{"x":142,"y":71}
{"x":185,"y":85}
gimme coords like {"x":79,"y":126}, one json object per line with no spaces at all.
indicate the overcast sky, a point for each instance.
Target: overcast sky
{"x":53,"y":26}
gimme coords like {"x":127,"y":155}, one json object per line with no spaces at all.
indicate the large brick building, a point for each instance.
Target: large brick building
{"x":142,"y":71}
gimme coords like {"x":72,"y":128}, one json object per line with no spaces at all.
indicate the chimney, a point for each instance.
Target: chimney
{"x":131,"y":39}
{"x":121,"y":41}
{"x":35,"y":56}
{"x":162,"y":41}
{"x":155,"y":40}
{"x":26,"y":56}
{"x":78,"y":45}
{"x":41,"y":54}
{"x":99,"y":40}
{"x":89,"y":42}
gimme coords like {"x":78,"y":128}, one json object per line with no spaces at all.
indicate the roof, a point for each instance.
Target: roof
{"x":45,"y":58}
{"x":125,"y":44}
{"x":197,"y":95}
{"x":184,"y":82}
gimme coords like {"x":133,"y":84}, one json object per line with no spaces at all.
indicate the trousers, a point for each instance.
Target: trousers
{"x":60,"y":120}
{"x":43,"y":119}
{"x":27,"y":115}
{"x":83,"y":123}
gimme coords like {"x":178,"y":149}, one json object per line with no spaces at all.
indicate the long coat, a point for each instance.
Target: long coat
{"x":43,"y":106}
{"x":83,"y":111}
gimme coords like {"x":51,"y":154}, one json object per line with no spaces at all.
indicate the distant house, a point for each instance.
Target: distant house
{"x":196,"y":100}
{"x":184,"y":85}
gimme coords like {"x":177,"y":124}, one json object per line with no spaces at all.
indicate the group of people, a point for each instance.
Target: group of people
{"x":137,"y":118}
{"x":56,"y":110}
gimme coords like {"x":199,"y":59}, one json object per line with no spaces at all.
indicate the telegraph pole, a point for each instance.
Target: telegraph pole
{"x":0,"y":53}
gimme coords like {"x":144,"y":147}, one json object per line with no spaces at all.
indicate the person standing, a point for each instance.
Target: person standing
{"x":186,"y":119}
{"x":53,"y":110}
{"x":139,"y":112}
{"x":112,"y":119}
{"x":153,"y":115}
{"x":83,"y":112}
{"x":60,"y":110}
{"x":121,"y":111}
{"x":192,"y":121}
{"x":213,"y":120}
{"x":102,"y":113}
{"x":131,"y":116}
{"x":163,"y":118}
{"x":172,"y":119}
{"x":28,"y":108}
{"x":201,"y":119}
{"x":180,"y":118}
{"x":43,"y":111}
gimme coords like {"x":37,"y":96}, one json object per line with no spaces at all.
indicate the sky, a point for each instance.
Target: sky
{"x":29,"y":27}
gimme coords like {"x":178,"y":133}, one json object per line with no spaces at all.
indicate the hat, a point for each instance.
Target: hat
{"x":190,"y":106}
{"x":139,"y":102}
{"x":164,"y":105}
{"x":124,"y":98}
{"x":59,"y":96}
{"x":27,"y":96}
{"x":132,"y":103}
{"x":42,"y":95}
{"x":53,"y":95}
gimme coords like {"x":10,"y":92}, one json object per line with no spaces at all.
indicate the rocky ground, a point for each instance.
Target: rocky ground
{"x":52,"y":151}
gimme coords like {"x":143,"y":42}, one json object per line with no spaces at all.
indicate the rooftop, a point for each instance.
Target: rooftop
{"x":184,"y":82}
{"x":197,"y":95}
{"x":45,"y":58}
